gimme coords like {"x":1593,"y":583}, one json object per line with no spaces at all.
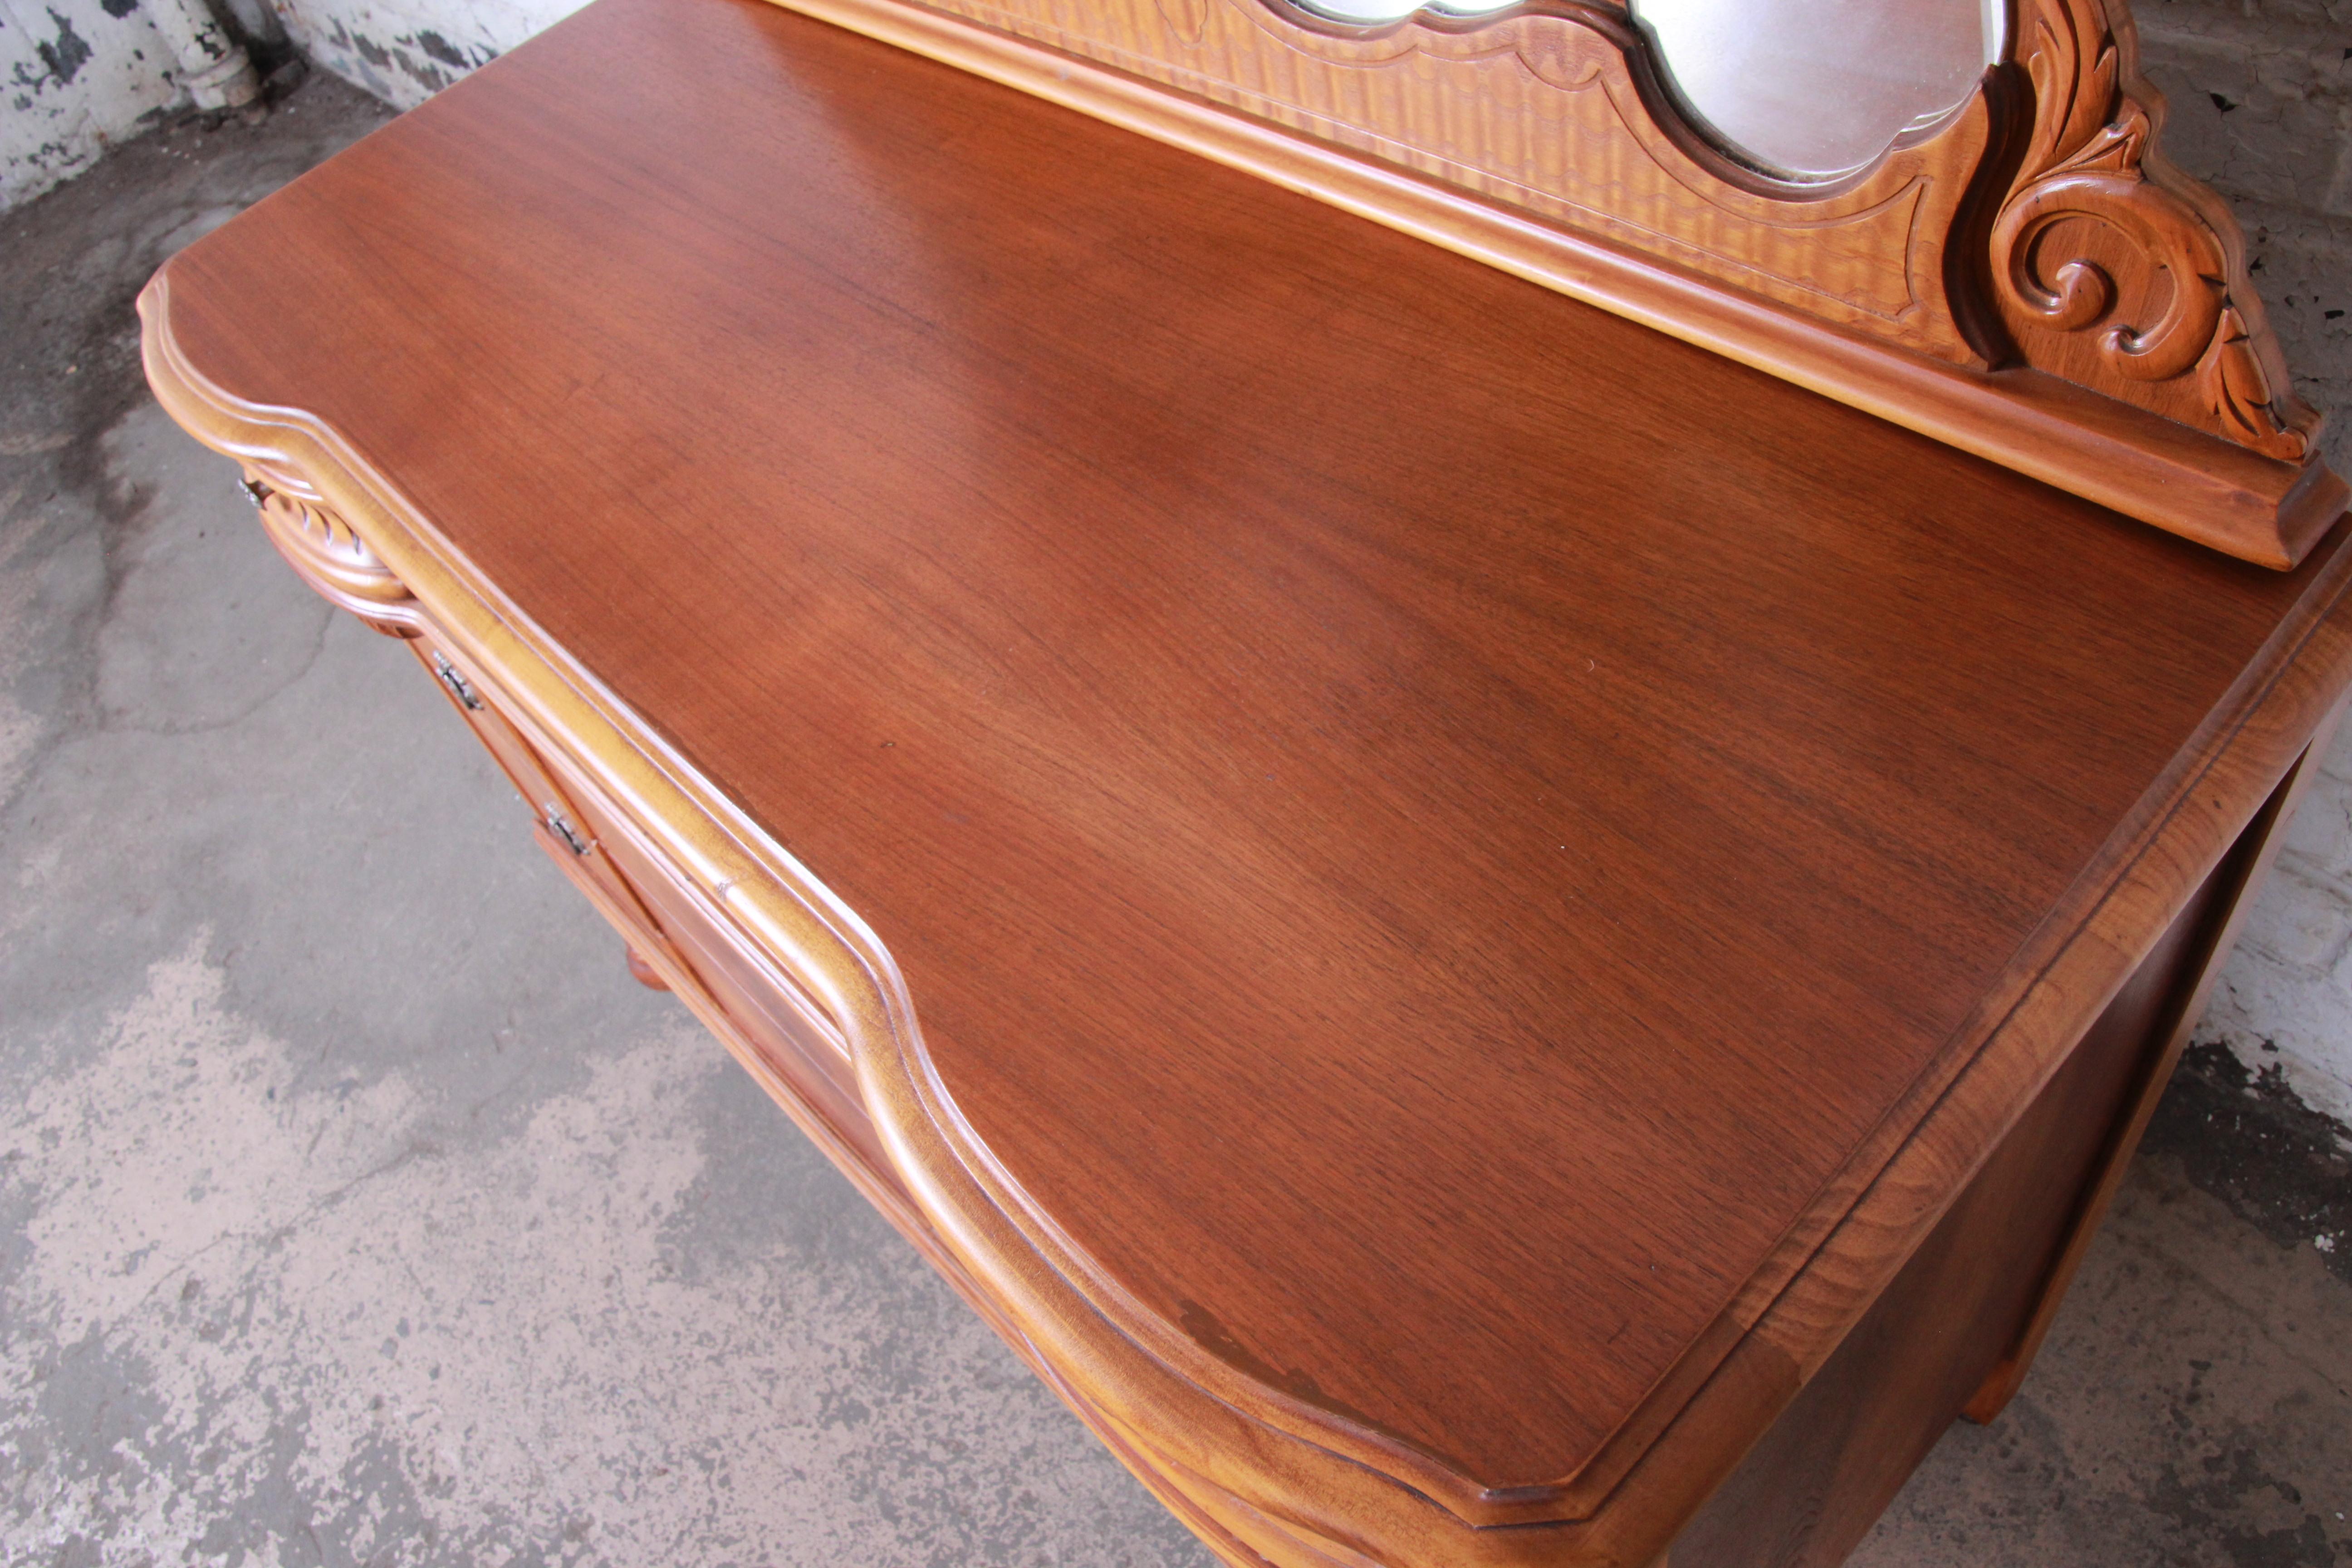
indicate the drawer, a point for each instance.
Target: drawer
{"x":677,"y":934}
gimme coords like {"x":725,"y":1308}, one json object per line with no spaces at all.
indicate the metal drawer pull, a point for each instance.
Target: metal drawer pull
{"x":561,"y":825}
{"x":460,"y":687}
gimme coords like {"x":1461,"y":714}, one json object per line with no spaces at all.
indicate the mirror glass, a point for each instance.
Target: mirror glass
{"x":1808,"y":89}
{"x":1372,"y":12}
{"x":1815,"y":89}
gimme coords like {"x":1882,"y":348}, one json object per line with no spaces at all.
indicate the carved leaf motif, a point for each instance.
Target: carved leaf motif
{"x":2234,"y":380}
{"x":2090,"y":168}
{"x":334,"y":559}
{"x":2073,"y":96}
{"x":2103,"y":180}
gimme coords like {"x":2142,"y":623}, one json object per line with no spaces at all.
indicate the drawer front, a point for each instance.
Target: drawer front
{"x":787,"y":1027}
{"x":679,"y":931}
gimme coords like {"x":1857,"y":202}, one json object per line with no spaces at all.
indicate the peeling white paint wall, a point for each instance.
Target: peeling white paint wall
{"x":404,"y":51}
{"x":80,"y":75}
{"x":2284,"y":1002}
{"x":2261,"y":92}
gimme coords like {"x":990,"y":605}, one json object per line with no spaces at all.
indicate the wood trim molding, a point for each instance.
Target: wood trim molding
{"x":1559,"y":108}
{"x":326,"y":554}
{"x":2266,"y":835}
{"x":2114,"y":269}
{"x":1930,"y":289}
{"x":1281,"y":1478}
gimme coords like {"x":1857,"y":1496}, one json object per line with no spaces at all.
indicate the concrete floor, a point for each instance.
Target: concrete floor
{"x":355,"y":1207}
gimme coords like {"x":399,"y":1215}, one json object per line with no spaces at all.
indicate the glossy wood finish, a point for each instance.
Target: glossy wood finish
{"x":1425,"y":963}
{"x":2005,"y":281}
{"x":1956,"y":1330}
{"x":1558,"y":110}
{"x":2165,"y":1032}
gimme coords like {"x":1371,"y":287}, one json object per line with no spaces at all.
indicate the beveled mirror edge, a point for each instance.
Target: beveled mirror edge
{"x":1811,"y":153}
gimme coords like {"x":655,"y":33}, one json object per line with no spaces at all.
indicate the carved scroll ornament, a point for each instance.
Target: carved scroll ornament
{"x":2026,"y":279}
{"x":2111,"y":267}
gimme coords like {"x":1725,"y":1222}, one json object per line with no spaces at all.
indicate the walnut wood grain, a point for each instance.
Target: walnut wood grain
{"x":1456,"y":957}
{"x":1559,"y":110}
{"x":677,"y":940}
{"x":2183,"y":1005}
{"x":2034,"y":323}
{"x":1971,"y":1303}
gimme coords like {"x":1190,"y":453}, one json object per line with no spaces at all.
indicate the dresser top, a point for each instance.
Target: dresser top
{"x":1427,"y":827}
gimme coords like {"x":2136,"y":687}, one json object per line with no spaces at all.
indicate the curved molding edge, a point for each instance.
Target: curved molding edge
{"x":326,"y":553}
{"x":1264,"y":1477}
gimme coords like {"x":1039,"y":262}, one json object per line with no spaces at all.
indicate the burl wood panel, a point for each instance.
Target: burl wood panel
{"x":1450,"y":947}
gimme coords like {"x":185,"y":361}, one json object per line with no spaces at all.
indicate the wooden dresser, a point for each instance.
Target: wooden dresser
{"x":1503,"y":860}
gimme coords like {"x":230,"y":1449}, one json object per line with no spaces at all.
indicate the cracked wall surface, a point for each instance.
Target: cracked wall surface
{"x":76,"y":77}
{"x":2260,"y":97}
{"x":404,"y":51}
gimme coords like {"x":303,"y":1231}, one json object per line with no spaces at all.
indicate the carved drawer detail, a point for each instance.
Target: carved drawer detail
{"x":327,"y":553}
